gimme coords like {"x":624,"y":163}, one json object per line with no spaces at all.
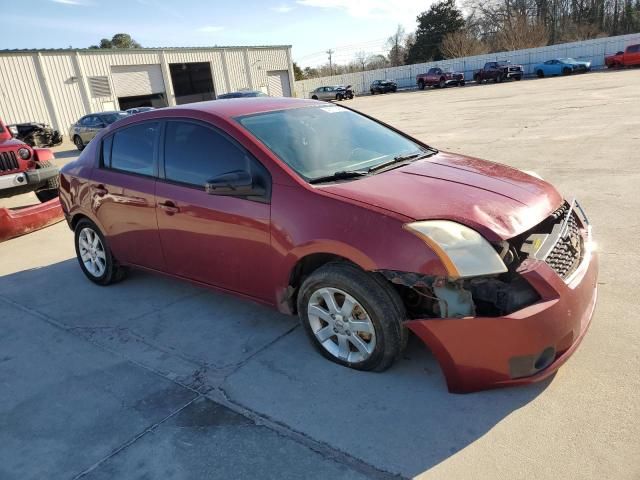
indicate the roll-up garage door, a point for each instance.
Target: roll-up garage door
{"x":278,"y":83}
{"x":135,"y":80}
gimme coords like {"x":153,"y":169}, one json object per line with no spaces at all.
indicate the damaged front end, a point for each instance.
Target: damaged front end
{"x":515,"y":326}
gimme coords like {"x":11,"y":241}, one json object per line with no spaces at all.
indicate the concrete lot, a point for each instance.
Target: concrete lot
{"x":152,"y":378}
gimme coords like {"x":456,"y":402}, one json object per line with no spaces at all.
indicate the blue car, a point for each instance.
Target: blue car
{"x":561,"y":66}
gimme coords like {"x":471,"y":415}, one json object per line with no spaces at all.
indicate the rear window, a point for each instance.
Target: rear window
{"x":132,"y":149}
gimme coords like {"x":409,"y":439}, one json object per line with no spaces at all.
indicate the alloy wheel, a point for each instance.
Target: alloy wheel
{"x":341,"y":325}
{"x":92,"y":252}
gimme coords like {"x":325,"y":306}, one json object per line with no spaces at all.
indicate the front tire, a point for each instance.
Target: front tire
{"x":352,"y":318}
{"x":442,"y":83}
{"x":94,"y":256}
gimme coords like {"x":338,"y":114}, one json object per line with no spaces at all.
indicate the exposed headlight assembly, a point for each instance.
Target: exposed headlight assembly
{"x":463,"y":251}
{"x":24,"y":153}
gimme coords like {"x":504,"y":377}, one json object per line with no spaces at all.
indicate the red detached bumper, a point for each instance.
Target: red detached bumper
{"x":20,"y":221}
{"x":526,"y":346}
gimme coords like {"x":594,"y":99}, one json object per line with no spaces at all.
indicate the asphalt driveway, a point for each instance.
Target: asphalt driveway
{"x":153,"y":378}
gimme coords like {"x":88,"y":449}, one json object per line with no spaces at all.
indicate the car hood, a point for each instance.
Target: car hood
{"x":496,"y":200}
{"x":11,"y":143}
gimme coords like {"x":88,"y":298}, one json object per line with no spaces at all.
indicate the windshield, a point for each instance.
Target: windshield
{"x":320,"y":141}
{"x":109,"y":118}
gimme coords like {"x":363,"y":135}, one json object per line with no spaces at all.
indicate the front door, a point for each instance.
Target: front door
{"x":123,"y":194}
{"x":219,"y":240}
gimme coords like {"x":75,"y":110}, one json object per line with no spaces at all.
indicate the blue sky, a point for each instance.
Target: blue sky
{"x":310,"y":26}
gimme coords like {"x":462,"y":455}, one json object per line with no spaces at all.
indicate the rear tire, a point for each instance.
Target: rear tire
{"x":461,"y":83}
{"x":499,"y":78}
{"x":365,"y":335}
{"x":78,"y":142}
{"x":478,"y":79}
{"x":314,"y":97}
{"x":94,"y":256}
{"x":540,"y":74}
{"x":373,"y":92}
{"x":421,"y":85}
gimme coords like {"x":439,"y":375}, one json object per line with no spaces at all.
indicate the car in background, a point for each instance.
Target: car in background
{"x":242,"y":94}
{"x":629,"y":57}
{"x":330,"y":92}
{"x":383,"y":86}
{"x":561,"y":66}
{"x":436,"y":77}
{"x":133,"y":111}
{"x":361,"y":230}
{"x":83,"y":131}
{"x":25,"y":169}
{"x":498,"y":71}
{"x":36,"y":134}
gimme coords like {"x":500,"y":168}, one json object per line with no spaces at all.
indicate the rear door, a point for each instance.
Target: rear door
{"x":123,"y":194}
{"x":219,"y":240}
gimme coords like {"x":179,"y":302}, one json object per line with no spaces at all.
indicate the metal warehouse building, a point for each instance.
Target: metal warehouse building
{"x":60,"y":86}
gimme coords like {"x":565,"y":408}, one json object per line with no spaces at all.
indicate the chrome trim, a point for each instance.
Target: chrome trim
{"x":13,"y":180}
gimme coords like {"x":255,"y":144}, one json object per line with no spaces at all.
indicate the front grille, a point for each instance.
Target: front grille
{"x":567,"y":253}
{"x":8,"y":161}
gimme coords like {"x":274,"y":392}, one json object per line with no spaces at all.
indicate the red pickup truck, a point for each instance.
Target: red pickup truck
{"x":25,"y":169}
{"x":630,"y":56}
{"x":436,"y":77}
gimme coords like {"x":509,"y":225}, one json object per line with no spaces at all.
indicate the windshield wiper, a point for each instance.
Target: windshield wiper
{"x":340,"y":175}
{"x":401,"y":158}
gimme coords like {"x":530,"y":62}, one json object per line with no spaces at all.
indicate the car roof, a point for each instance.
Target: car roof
{"x":234,"y":107}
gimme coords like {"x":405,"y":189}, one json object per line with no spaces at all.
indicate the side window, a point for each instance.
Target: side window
{"x":195,"y":154}
{"x":133,"y":149}
{"x":85,"y":121}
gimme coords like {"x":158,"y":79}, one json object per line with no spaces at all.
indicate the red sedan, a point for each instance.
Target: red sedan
{"x":361,"y":230}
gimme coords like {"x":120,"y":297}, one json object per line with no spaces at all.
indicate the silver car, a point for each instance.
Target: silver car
{"x":83,"y":131}
{"x":334,"y":92}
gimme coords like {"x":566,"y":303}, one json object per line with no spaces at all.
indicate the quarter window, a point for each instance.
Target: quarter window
{"x":195,"y":154}
{"x":133,"y":149}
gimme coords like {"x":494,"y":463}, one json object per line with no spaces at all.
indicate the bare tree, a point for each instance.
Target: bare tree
{"x":462,"y":44}
{"x":396,"y":47}
{"x":361,"y":58}
{"x":519,"y":32}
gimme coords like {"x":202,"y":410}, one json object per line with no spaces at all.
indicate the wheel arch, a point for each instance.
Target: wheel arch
{"x":307,"y":263}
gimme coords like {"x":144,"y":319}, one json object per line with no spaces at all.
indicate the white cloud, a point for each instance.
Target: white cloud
{"x":404,"y":11}
{"x":210,"y":29}
{"x":72,"y":2}
{"x":282,"y":8}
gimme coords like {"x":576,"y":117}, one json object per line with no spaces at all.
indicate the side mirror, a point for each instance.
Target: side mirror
{"x":236,"y":183}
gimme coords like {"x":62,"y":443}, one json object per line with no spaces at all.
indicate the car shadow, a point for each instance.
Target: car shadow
{"x":402,"y":421}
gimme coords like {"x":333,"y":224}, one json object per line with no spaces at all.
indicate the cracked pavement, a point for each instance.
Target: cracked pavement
{"x":155,"y":378}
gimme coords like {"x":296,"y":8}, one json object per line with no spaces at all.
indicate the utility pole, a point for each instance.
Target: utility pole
{"x":330,"y":53}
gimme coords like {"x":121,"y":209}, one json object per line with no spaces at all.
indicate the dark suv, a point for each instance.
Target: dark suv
{"x":83,"y":131}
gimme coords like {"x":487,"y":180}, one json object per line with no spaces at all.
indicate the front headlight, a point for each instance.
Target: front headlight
{"x":24,"y":153}
{"x":463,"y":251}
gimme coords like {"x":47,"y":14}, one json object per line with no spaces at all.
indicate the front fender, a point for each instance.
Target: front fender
{"x":43,"y":155}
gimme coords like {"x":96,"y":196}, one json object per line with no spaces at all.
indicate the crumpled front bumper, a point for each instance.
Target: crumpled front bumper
{"x":526,"y":346}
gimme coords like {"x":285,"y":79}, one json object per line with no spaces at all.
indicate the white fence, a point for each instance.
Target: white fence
{"x":405,"y":76}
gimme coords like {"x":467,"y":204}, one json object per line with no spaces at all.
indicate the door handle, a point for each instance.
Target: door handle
{"x":100,"y":190}
{"x":169,"y":207}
